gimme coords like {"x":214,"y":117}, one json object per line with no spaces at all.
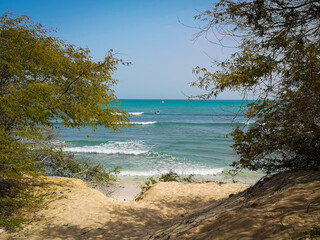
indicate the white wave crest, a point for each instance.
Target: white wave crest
{"x":130,"y":113}
{"x":143,"y":123}
{"x":126,"y":148}
{"x":136,"y":113}
{"x":195,"y":171}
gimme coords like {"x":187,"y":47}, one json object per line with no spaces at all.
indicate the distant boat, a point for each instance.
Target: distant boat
{"x":162,"y":101}
{"x":157,"y":112}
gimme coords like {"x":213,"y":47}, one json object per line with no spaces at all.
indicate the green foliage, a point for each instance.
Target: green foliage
{"x":54,"y":162}
{"x":150,"y":181}
{"x":14,"y":196}
{"x":169,"y":177}
{"x":42,"y":79}
{"x":278,"y":60}
{"x":11,"y":223}
{"x":58,"y":163}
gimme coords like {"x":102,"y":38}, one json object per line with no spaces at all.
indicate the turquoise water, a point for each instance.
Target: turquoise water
{"x":186,"y":137}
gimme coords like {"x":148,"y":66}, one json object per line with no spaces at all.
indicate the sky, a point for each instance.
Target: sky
{"x":152,"y":34}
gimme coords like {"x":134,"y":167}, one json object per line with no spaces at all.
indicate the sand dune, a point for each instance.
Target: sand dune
{"x":274,"y":209}
{"x":74,"y":211}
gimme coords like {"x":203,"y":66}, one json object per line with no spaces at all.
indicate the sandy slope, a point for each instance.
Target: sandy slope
{"x":74,"y":211}
{"x":285,"y":206}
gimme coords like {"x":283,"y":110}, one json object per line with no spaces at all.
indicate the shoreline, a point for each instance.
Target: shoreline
{"x":247,"y":177}
{"x":128,"y":188}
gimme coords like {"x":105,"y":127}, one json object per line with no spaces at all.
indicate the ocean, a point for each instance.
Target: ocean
{"x":178,"y":135}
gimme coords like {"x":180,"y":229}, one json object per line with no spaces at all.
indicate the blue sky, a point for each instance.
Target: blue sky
{"x":144,"y":32}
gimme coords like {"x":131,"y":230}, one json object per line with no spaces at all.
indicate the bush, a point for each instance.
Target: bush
{"x":14,"y":196}
{"x":277,"y":63}
{"x":67,"y":165}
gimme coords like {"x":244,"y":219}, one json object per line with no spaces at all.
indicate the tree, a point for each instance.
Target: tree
{"x":278,"y":59}
{"x":42,"y":79}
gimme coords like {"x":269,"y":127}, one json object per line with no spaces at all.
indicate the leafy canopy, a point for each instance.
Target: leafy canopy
{"x":43,"y":79}
{"x":278,"y":59}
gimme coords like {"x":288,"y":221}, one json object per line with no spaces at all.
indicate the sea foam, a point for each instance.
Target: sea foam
{"x":127,"y":148}
{"x":136,"y":113}
{"x":130,"y":113}
{"x":143,"y":123}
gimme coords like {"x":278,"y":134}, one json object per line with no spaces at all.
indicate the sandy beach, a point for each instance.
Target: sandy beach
{"x":273,"y":209}
{"x":72,"y":210}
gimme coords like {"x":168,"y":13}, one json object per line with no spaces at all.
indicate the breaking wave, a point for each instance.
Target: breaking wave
{"x":136,"y":113}
{"x":126,"y":148}
{"x":143,"y":123}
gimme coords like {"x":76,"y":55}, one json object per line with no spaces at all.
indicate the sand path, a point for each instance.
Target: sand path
{"x":74,"y":211}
